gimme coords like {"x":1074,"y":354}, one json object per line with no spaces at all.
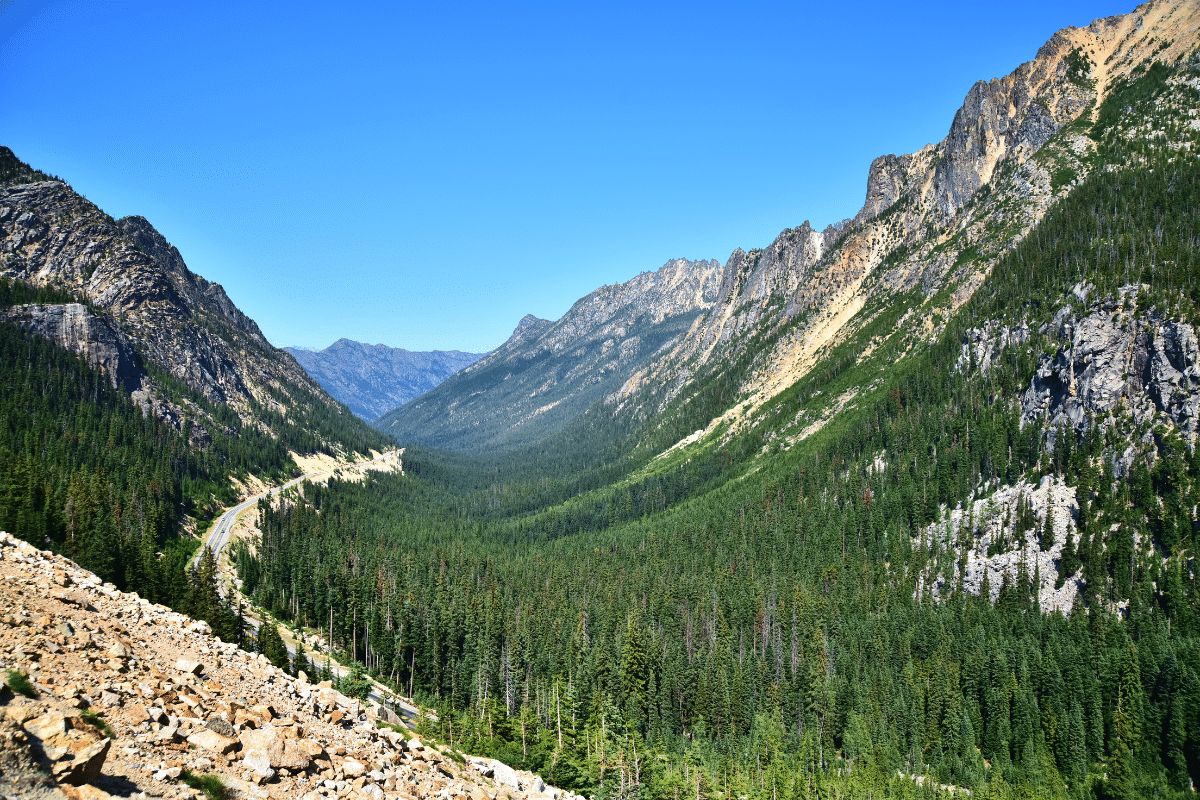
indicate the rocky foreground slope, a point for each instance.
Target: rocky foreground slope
{"x":131,"y":699}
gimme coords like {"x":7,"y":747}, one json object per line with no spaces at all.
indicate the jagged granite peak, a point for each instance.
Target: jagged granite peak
{"x":926,"y":224}
{"x":1013,"y":116}
{"x":175,"y":320}
{"x":372,"y":379}
{"x":529,"y":322}
{"x":549,"y":372}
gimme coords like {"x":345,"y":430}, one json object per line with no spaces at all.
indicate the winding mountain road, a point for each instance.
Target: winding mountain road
{"x":218,"y":536}
{"x":218,"y":539}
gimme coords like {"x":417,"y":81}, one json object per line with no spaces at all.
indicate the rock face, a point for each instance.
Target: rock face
{"x":74,"y":327}
{"x":993,"y":539}
{"x":549,"y":372}
{"x":174,"y":698}
{"x":983,"y":344}
{"x":926,"y":224}
{"x":100,"y":343}
{"x":140,"y":290}
{"x":1118,"y":358}
{"x":373,"y":379}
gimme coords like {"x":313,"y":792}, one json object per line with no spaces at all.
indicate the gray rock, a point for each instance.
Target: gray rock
{"x":74,"y":327}
{"x":221,"y":725}
{"x":1118,"y":358}
{"x":982,"y":345}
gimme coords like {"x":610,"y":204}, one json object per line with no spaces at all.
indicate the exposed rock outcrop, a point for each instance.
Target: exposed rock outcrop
{"x":992,"y":540}
{"x":72,"y":326}
{"x":982,"y":345}
{"x":102,"y":345}
{"x":1118,"y":358}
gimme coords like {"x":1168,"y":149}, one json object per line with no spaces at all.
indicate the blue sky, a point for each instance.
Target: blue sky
{"x":423,"y":175}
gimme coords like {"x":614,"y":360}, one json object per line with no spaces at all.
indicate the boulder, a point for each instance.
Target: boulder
{"x":222,"y":726}
{"x":269,"y":746}
{"x":85,"y":765}
{"x":189,"y":666}
{"x":207,"y":739}
{"x":48,"y":725}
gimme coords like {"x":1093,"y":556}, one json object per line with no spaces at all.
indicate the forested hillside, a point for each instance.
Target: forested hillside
{"x":956,"y":553}
{"x":132,"y":392}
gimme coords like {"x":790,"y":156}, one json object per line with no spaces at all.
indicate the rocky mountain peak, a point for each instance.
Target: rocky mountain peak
{"x":924,"y":213}
{"x":129,"y":273}
{"x":527,"y":323}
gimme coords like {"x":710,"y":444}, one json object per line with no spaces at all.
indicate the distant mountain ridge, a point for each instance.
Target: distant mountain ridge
{"x":373,"y":379}
{"x":547,"y":373}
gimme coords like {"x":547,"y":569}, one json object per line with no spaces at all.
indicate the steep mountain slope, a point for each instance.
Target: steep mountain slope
{"x":909,"y":512}
{"x":932,"y":226}
{"x":934,"y":222}
{"x":547,"y":373}
{"x":373,"y":379}
{"x":128,"y":697}
{"x":140,"y":297}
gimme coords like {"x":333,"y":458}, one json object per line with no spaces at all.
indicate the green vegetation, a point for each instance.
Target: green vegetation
{"x":357,"y":684}
{"x":209,"y":784}
{"x":87,"y":475}
{"x":98,"y":722}
{"x":15,"y":171}
{"x":1062,"y":176}
{"x":745,"y":620}
{"x":19,"y":683}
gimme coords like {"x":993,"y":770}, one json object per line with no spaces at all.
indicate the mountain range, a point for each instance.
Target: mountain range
{"x":933,"y":225}
{"x":547,"y":373}
{"x":903,"y":507}
{"x":373,"y":379}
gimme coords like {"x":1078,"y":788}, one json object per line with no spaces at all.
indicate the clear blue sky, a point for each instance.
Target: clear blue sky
{"x":424,"y":174}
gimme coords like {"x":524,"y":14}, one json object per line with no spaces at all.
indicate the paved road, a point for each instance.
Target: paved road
{"x":218,"y":539}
